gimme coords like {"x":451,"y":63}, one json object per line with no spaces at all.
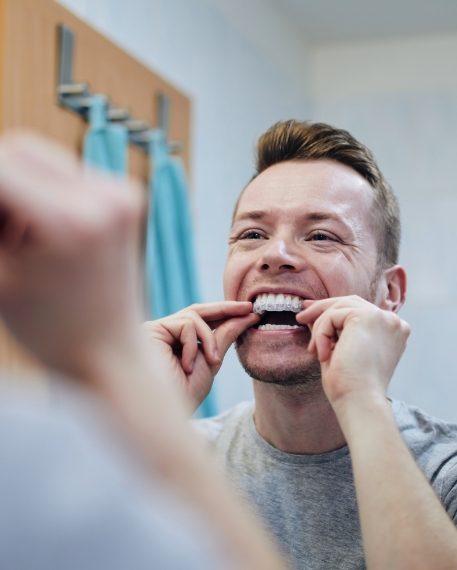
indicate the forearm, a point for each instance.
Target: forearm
{"x":403,"y":524}
{"x":156,"y":421}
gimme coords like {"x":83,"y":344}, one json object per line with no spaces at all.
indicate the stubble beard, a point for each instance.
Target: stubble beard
{"x":303,"y":376}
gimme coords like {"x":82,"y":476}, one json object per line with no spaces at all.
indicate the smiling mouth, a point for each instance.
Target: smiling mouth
{"x":278,"y":311}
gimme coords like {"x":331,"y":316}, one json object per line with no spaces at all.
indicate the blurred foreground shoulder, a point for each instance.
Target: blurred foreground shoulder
{"x":73,"y":493}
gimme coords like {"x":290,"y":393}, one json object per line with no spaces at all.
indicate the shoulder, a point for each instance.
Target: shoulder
{"x":229,"y":421}
{"x":432,"y":441}
{"x":419,"y":427}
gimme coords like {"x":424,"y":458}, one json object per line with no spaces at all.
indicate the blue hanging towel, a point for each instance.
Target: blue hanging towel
{"x":105,"y":144}
{"x":170,"y":263}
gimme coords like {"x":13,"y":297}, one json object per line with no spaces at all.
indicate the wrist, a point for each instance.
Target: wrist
{"x":359,"y":410}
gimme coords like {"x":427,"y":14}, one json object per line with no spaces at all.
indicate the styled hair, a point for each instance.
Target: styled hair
{"x":295,"y":140}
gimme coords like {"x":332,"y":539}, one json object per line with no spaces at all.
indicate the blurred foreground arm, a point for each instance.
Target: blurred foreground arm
{"x":69,"y":291}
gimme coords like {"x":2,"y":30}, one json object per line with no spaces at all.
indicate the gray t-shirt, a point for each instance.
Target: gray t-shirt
{"x":309,"y":501}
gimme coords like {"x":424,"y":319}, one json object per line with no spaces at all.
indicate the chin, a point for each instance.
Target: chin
{"x":277,"y":363}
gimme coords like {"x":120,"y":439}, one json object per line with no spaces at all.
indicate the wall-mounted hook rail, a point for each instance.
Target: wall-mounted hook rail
{"x":77,"y":97}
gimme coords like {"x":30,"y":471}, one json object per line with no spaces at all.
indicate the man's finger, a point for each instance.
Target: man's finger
{"x":42,"y":155}
{"x":201,"y":331}
{"x":208,"y":341}
{"x":44,"y":204}
{"x":229,"y":331}
{"x":188,"y":340}
{"x":18,"y":189}
{"x":314,"y":309}
{"x":222,"y":309}
{"x":326,"y":331}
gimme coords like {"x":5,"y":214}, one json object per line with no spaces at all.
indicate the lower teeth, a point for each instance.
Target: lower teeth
{"x":269,"y":327}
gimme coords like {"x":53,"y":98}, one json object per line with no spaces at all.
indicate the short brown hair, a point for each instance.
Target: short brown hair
{"x":295,"y":140}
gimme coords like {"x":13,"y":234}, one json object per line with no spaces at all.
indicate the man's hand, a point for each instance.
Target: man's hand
{"x":68,"y":255}
{"x":357,"y":344}
{"x":192,"y":343}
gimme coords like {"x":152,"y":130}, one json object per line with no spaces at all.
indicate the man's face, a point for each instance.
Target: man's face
{"x":302,"y":228}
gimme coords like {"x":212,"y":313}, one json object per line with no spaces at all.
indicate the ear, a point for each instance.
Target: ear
{"x":392,"y":288}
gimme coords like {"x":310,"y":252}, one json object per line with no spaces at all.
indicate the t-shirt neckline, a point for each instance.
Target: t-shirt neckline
{"x":292,"y":458}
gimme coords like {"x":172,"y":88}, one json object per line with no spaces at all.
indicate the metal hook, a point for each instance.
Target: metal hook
{"x":77,"y":97}
{"x":163,"y":121}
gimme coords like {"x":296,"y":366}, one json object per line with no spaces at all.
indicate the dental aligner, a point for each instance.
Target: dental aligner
{"x":272,"y":302}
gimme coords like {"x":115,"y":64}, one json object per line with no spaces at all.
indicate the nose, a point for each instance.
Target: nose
{"x":279,"y":256}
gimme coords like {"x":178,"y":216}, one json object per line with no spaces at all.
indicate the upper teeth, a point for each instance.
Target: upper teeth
{"x":271,"y":302}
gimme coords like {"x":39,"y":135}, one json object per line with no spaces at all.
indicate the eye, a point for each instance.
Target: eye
{"x":321,"y":236}
{"x":251,"y":234}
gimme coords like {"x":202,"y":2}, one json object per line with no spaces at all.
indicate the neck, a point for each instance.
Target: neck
{"x":296,"y":419}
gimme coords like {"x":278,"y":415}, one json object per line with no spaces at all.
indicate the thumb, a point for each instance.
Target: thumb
{"x":230,"y":330}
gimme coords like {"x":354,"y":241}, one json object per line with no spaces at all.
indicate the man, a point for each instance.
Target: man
{"x":313,"y":291}
{"x":147,"y":496}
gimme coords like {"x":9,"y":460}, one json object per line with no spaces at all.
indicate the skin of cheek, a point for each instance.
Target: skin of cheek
{"x":349,"y":271}
{"x":338,"y":277}
{"x":236,"y":267}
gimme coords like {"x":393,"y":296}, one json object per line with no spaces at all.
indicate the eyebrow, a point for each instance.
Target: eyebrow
{"x":309,"y":217}
{"x":253,"y":215}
